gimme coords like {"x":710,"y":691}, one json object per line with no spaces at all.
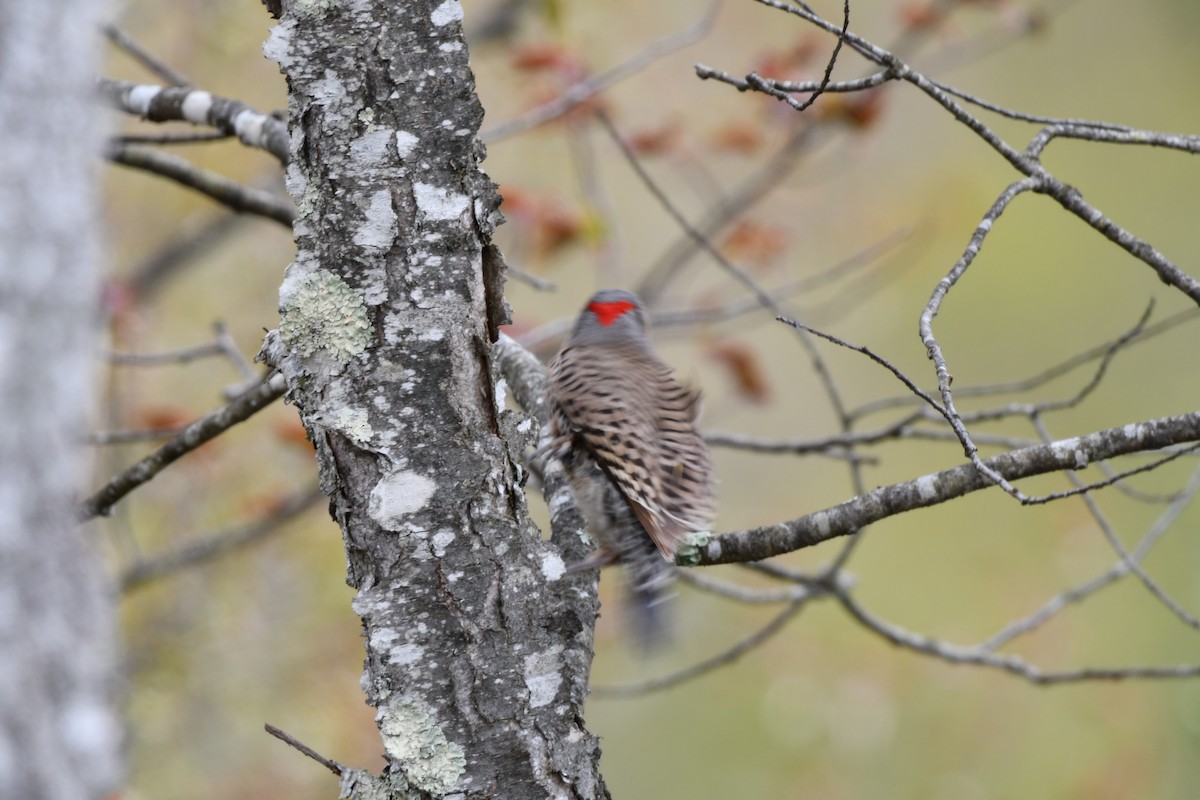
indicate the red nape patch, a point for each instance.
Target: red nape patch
{"x":608,"y":313}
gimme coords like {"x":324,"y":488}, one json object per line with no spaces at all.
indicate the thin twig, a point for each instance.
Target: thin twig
{"x":1045,"y":376}
{"x":144,"y":57}
{"x":587,"y":89}
{"x":328,"y":763}
{"x":130,"y":436}
{"x":1014,"y":665}
{"x":233,"y":354}
{"x":193,"y":137}
{"x":723,"y":658}
{"x":217,"y":187}
{"x":1120,"y":569}
{"x":742,"y":594}
{"x":1131,"y":564}
{"x":182,"y":355}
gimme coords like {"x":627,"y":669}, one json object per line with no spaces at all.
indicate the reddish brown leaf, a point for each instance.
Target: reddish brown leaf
{"x":738,"y":137}
{"x":744,"y":368}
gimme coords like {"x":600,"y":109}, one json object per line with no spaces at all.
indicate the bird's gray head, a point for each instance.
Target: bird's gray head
{"x":611,"y":316}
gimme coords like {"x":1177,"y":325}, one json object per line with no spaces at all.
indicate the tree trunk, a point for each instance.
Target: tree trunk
{"x":58,"y":736}
{"x":477,"y":656}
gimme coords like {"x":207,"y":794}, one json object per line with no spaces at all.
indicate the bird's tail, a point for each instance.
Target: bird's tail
{"x":649,"y":586}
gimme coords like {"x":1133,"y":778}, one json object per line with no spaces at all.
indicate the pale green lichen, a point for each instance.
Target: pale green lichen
{"x":367,"y":116}
{"x":355,"y":423}
{"x":307,"y":201}
{"x":325,"y":314}
{"x":358,"y":784}
{"x":313,"y":8}
{"x":688,"y":553}
{"x":416,"y":744}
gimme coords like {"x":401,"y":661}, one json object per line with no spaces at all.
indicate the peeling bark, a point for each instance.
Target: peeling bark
{"x":477,"y":656}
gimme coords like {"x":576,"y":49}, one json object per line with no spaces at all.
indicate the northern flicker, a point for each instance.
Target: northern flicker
{"x":625,"y":430}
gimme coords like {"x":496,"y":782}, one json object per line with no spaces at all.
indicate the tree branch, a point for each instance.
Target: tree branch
{"x":936,"y":488}
{"x":163,"y":104}
{"x":202,"y":430}
{"x":225,"y":191}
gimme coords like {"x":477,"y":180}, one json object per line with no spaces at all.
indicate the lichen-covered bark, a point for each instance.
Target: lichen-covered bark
{"x":477,"y":656}
{"x":59,"y":737}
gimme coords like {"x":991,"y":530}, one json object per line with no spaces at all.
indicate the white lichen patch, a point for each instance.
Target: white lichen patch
{"x":248,"y":125}
{"x":355,"y":423}
{"x":141,"y":96}
{"x":405,"y":654}
{"x":382,"y":638}
{"x":370,"y":149}
{"x":371,"y":600}
{"x":313,"y":8}
{"x":405,"y":144}
{"x":374,"y":288}
{"x":279,"y":42}
{"x":418,"y":747}
{"x":437,"y":203}
{"x":324,"y":314}
{"x":926,"y":488}
{"x":196,"y":107}
{"x":543,"y":676}
{"x":441,"y":540}
{"x":328,"y":90}
{"x":501,"y":394}
{"x":1066,"y":448}
{"x":378,"y":228}
{"x":553,"y":566}
{"x":399,"y":495}
{"x":447,"y":12}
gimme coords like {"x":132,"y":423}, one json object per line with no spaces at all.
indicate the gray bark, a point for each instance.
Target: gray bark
{"x":477,"y":655}
{"x":58,"y":735}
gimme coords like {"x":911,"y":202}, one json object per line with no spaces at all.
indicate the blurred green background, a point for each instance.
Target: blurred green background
{"x":825,"y":709}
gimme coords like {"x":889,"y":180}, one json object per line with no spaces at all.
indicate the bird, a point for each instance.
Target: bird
{"x":625,"y":430}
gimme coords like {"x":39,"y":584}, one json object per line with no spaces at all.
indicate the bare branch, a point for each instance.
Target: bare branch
{"x":1131,"y":563}
{"x":163,"y":104}
{"x":143,"y":56}
{"x":219,"y":188}
{"x":742,"y":594}
{"x":1008,"y":663}
{"x":202,"y":430}
{"x":587,"y":89}
{"x":129,"y":437}
{"x":1114,"y":573}
{"x":1043,"y":377}
{"x":181,"y":356}
{"x":196,"y":137}
{"x":722,"y":659}
{"x":936,"y":488}
{"x":329,"y":764}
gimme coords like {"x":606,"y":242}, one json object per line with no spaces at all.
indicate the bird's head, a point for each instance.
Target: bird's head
{"x":611,"y":316}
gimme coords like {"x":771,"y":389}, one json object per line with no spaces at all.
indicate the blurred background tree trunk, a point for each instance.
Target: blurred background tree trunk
{"x":58,"y":736}
{"x":477,"y":659}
